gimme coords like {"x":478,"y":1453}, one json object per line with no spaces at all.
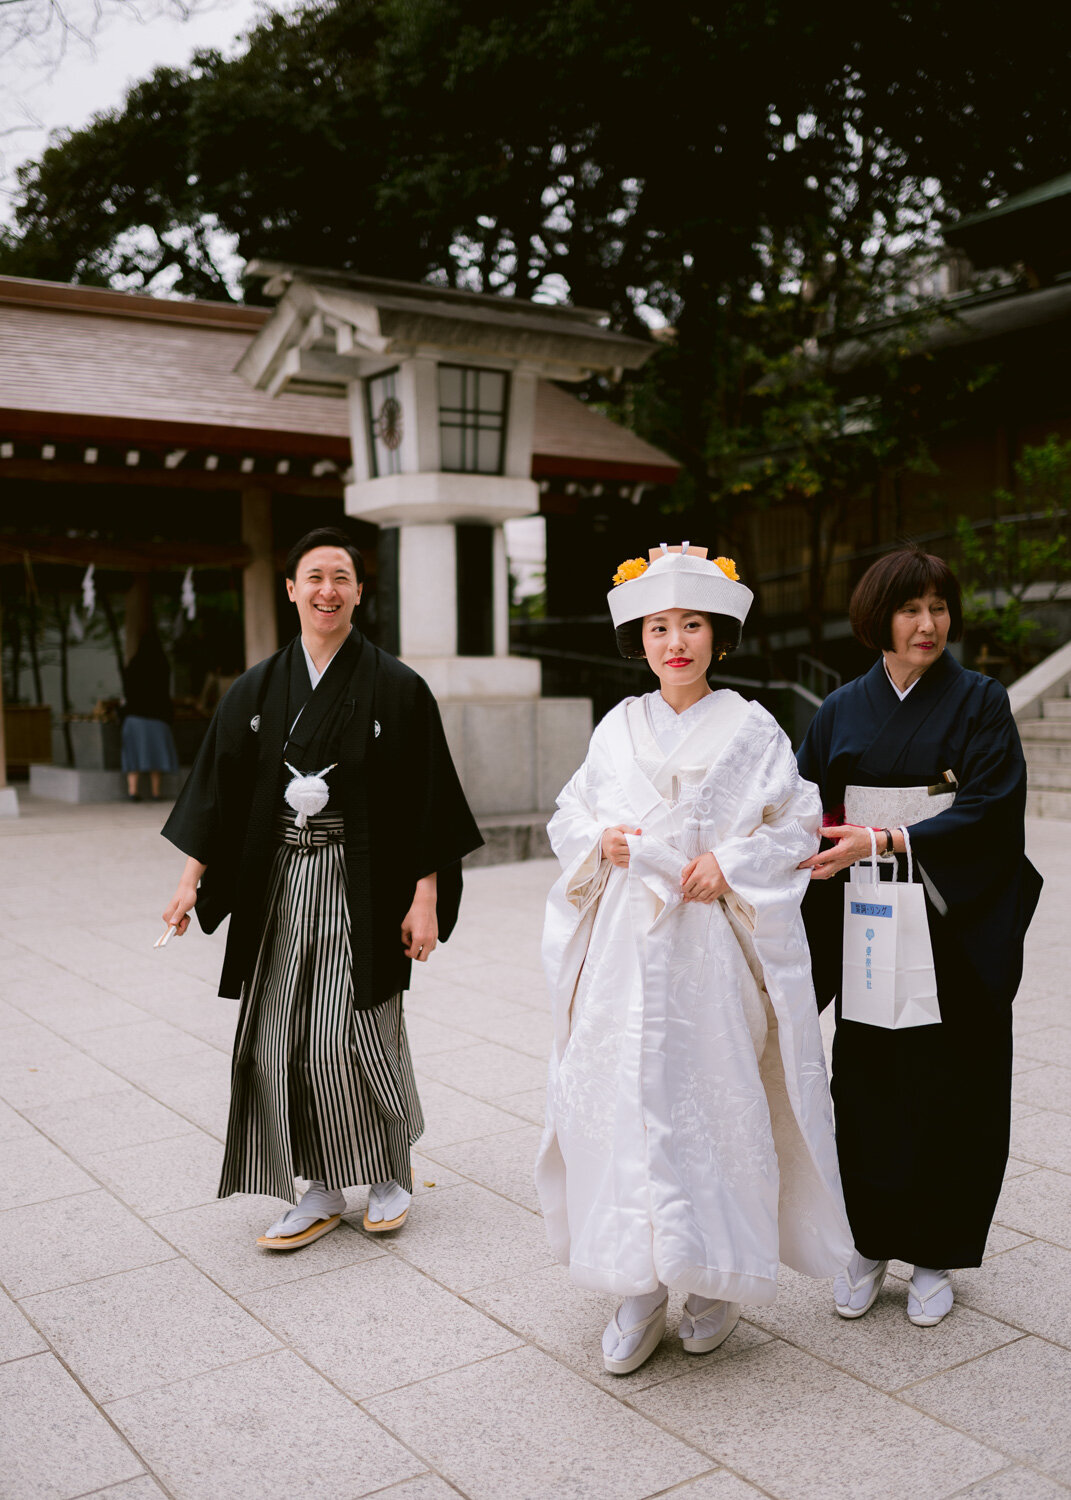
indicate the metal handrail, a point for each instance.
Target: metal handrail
{"x":816,"y":676}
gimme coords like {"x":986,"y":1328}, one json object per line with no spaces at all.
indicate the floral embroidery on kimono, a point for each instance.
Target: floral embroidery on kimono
{"x":689,"y":1137}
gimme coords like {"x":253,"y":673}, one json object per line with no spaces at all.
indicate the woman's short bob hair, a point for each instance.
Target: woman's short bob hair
{"x":887,"y":585}
{"x":727,"y":632}
{"x":323,"y":536}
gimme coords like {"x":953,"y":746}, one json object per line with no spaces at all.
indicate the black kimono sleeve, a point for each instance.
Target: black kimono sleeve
{"x":208,"y":819}
{"x":974,"y":851}
{"x":967,"y":848}
{"x":194,"y":823}
{"x":444,"y":829}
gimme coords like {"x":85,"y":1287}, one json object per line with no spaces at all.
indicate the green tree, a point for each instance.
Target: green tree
{"x":1020,"y":560}
{"x":763,"y":178}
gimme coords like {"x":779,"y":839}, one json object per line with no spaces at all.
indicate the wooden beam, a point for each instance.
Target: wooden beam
{"x":130,"y":557}
{"x":328,"y":488}
{"x":126,"y":432}
{"x":258,"y":579}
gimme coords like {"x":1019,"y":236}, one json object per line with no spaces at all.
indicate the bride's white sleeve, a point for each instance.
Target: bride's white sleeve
{"x":761,"y":868}
{"x":575,"y":833}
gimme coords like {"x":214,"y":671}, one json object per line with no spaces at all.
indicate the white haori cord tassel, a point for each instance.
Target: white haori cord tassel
{"x":307,"y":795}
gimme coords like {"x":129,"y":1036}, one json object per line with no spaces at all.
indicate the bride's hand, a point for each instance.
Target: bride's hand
{"x":702,"y":880}
{"x":615,"y":844}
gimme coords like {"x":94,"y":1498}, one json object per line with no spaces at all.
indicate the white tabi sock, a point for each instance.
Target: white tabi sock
{"x":386,"y":1201}
{"x":929,"y":1282}
{"x":702,"y":1316}
{"x":632,"y":1311}
{"x":317,"y":1203}
{"x":858,"y":1268}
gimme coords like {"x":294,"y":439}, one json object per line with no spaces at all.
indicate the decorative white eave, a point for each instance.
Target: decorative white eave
{"x":329,"y":328}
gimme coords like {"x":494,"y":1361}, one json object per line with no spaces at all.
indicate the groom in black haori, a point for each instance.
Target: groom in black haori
{"x":324,"y":815}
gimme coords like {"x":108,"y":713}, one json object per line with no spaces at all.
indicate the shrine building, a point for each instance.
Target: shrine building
{"x":149,"y":437}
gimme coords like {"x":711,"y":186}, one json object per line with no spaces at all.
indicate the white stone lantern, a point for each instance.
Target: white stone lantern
{"x":441,"y":390}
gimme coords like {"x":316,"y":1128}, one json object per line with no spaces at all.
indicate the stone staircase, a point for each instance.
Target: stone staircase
{"x":1041,"y":703}
{"x":1047,"y":743}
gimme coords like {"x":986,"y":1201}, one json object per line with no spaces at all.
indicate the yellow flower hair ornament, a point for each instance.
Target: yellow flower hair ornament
{"x":727,"y":566}
{"x":632,"y":567}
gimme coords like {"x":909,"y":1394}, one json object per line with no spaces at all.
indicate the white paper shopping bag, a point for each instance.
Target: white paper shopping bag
{"x":916,"y":979}
{"x":868,"y":986}
{"x":888,"y":973}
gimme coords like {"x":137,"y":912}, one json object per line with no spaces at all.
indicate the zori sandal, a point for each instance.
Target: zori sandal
{"x":317,"y":1214}
{"x":710,"y":1328}
{"x":379,"y":1196}
{"x":653,"y":1329}
{"x":917,"y":1300}
{"x":872,"y":1280}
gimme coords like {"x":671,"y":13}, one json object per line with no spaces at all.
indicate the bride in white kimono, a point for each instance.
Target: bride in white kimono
{"x":689,"y":1141}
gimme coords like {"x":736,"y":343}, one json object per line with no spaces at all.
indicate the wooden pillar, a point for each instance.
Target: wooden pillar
{"x":138,"y":617}
{"x":9,"y":803}
{"x":258,"y":580}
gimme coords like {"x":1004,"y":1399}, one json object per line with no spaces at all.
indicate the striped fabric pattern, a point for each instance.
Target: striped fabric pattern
{"x":319,"y":1090}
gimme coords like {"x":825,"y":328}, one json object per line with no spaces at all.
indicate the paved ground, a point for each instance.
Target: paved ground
{"x":148,"y":1348}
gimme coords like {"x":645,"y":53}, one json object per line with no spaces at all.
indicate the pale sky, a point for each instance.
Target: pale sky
{"x":94,"y":75}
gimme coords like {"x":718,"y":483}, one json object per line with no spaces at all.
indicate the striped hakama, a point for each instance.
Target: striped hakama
{"x":319,"y":1089}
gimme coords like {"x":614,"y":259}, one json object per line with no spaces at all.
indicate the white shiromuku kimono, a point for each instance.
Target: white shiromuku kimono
{"x":689,"y":1137}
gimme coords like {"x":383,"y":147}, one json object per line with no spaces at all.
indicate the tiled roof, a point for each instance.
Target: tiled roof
{"x":84,"y":355}
{"x":97,"y":359}
{"x":568,"y":433}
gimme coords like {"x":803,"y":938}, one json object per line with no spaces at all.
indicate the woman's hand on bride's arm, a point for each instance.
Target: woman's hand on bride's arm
{"x":850,"y":843}
{"x":702,"y":880}
{"x":615,"y":844}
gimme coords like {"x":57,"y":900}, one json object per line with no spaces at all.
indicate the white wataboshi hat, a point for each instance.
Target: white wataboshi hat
{"x":678,"y":578}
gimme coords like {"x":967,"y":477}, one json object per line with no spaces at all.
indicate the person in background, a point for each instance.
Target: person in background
{"x":923,"y":1114}
{"x":148,"y":744}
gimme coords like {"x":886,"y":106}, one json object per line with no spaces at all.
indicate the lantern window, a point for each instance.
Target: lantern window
{"x":472,"y":419}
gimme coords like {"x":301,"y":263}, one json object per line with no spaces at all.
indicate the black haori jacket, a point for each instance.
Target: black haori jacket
{"x":395,"y":783}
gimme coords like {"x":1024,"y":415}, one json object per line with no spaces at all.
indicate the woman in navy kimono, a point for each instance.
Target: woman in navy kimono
{"x":919,"y":732}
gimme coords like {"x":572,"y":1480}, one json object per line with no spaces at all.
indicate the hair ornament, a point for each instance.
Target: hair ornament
{"x":632,"y":567}
{"x":728,"y":567}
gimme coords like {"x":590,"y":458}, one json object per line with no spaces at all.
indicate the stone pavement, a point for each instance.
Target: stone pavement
{"x":148,"y":1348}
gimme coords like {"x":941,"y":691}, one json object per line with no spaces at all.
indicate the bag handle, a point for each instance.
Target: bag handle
{"x":875,"y":874}
{"x":907,"y":851}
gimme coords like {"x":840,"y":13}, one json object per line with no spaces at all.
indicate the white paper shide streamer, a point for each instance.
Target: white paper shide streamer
{"x":189,"y":595}
{"x":307,"y":795}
